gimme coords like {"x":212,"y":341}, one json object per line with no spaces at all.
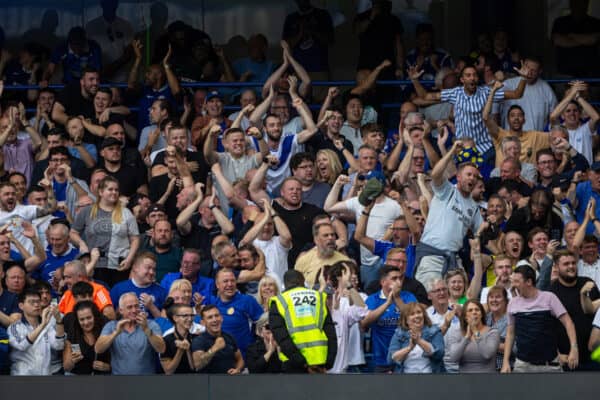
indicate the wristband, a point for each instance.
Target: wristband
{"x":594,"y":220}
{"x":211,"y":207}
{"x":275,"y":215}
{"x":365,"y":213}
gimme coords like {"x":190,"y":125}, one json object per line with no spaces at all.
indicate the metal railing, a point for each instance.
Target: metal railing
{"x":398,"y":83}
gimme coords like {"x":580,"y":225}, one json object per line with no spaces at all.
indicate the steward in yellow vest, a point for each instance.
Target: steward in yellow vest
{"x":302,"y":327}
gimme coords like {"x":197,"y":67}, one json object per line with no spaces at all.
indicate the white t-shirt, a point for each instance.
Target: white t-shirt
{"x":581,"y":140}
{"x":451,"y":215}
{"x":344,"y":319}
{"x":381,"y":217}
{"x":416,"y":362}
{"x":14,"y":219}
{"x":589,"y":271}
{"x":596,"y":322}
{"x":438,"y":319}
{"x":276,"y":257}
{"x":288,"y":146}
{"x":537,"y":102}
{"x":356,"y":355}
{"x":244,"y":125}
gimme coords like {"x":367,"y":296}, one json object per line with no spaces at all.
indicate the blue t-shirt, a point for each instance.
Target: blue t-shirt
{"x":149,"y":96}
{"x":205,"y":286}
{"x":584,"y":192}
{"x":4,"y":362}
{"x":157,"y":292}
{"x":47,"y":269}
{"x":9,"y":304}
{"x":237,"y":317}
{"x":132,"y":353}
{"x":383,"y":329}
{"x":74,"y":64}
{"x":382,"y":247}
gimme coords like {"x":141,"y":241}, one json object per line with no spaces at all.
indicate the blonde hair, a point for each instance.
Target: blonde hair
{"x":334,"y":164}
{"x":117,"y":213}
{"x":180,"y":284}
{"x":264,"y":281}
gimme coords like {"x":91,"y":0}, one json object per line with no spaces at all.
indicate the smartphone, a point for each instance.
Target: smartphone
{"x":54,"y":302}
{"x":75,"y":348}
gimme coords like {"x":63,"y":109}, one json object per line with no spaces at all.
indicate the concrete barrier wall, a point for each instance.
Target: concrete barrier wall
{"x":291,"y":387}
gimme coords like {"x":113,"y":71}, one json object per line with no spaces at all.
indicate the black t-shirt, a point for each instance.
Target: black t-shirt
{"x":321,"y":141}
{"x":85,"y":366}
{"x":186,"y":365}
{"x":378,"y":41}
{"x":130,"y":179}
{"x":493,"y":185}
{"x":78,"y":168}
{"x":570,"y":298}
{"x":580,"y":60}
{"x":299,"y":222}
{"x":74,"y":103}
{"x":200,"y":238}
{"x":157,"y":187}
{"x":190,"y":156}
{"x":223,"y":360}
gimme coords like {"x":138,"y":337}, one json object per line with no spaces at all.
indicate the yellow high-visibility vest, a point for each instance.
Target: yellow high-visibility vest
{"x":304,"y":311}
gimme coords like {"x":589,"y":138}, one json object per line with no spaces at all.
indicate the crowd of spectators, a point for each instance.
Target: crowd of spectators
{"x":145,"y":229}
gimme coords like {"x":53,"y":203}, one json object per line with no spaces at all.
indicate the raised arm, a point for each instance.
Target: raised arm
{"x":475,"y":285}
{"x":132,"y":81}
{"x":518,"y":92}
{"x":590,"y":111}
{"x":260,"y":110}
{"x":332,"y":205}
{"x":394,"y":158}
{"x":228,"y":75}
{"x":233,"y":199}
{"x":274,"y":78}
{"x":360,"y":234}
{"x":414,"y":75}
{"x":304,"y":88}
{"x":285,"y":236}
{"x":36,"y":139}
{"x":569,"y":96}
{"x":437,"y":174}
{"x":224,"y":222}
{"x":432,"y":155}
{"x":332,"y":93}
{"x":258,"y":225}
{"x":310,"y":127}
{"x":369,"y":82}
{"x":183,"y":219}
{"x":403,"y":171}
{"x":171,"y":78}
{"x":210,"y":154}
{"x":246,"y":111}
{"x":490,"y":122}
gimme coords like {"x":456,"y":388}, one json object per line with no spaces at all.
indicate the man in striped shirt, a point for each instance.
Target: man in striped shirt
{"x":468,"y":101}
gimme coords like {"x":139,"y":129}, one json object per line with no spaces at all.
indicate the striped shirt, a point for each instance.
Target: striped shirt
{"x":468,"y":113}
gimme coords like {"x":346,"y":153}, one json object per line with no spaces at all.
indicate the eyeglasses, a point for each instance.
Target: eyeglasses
{"x":399,"y":229}
{"x":185,"y":315}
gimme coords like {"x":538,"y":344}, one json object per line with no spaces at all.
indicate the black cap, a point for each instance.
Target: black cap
{"x":156,"y":207}
{"x":110,"y":141}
